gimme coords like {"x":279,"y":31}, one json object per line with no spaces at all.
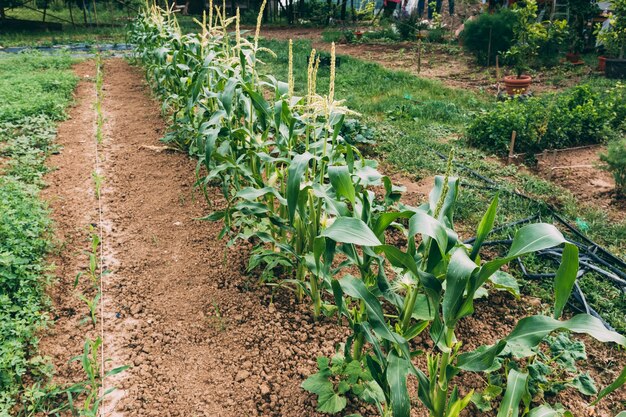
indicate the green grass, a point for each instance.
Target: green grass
{"x":39,"y":88}
{"x":415,"y":117}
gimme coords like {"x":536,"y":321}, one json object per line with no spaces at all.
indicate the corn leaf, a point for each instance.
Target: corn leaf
{"x":565,"y":278}
{"x":515,"y":389}
{"x":341,"y":181}
{"x":485,"y":226}
{"x":621,"y":380}
{"x":296,"y":170}
{"x":351,"y":230}
{"x":397,"y":370}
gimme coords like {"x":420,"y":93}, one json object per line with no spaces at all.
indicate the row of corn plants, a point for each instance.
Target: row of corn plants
{"x":320,"y":214}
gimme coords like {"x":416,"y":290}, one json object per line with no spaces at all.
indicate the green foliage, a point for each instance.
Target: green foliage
{"x":615,"y":162}
{"x":32,"y":85}
{"x":532,"y":37}
{"x":579,"y":116}
{"x":489,"y":35}
{"x":38,"y":88}
{"x":338,"y":377}
{"x":614,"y":38}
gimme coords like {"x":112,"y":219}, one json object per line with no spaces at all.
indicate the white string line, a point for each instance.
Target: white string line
{"x":99,"y":133}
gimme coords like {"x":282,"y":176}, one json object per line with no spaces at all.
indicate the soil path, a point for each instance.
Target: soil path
{"x":201,"y":336}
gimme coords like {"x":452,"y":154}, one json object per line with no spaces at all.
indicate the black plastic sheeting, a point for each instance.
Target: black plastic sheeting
{"x":74,"y":49}
{"x":593,"y":257}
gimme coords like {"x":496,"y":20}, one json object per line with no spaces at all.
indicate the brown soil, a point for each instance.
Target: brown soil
{"x":578,"y":171}
{"x":202,"y":337}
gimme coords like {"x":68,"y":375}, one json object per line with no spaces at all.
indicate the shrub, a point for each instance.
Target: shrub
{"x":615,"y":162}
{"x":577,"y":117}
{"x":498,"y":27}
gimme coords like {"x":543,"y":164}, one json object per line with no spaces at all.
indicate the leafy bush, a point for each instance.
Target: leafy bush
{"x":615,"y":162}
{"x":498,"y":27}
{"x":35,"y":90}
{"x":577,"y":117}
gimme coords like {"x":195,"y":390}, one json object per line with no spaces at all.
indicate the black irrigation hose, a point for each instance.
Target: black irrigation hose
{"x":591,"y":252}
{"x":506,"y":226}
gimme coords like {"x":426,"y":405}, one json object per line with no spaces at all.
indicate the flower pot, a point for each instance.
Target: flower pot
{"x":517,"y":86}
{"x":615,"y":68}
{"x":358,"y":34}
{"x":601,"y":63}
{"x":573,"y":58}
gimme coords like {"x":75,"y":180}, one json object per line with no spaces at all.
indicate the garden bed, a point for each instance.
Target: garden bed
{"x":201,"y":334}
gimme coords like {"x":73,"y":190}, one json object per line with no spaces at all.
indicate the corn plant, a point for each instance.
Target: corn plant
{"x":91,"y":390}
{"x":435,"y":286}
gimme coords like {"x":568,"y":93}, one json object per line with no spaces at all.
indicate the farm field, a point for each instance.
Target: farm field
{"x":255,"y":233}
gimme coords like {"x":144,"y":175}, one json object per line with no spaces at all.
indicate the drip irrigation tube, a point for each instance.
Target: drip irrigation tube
{"x":593,"y":257}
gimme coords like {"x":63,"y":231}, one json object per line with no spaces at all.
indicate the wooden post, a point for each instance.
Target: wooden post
{"x":552,"y":164}
{"x":489,"y":47}
{"x":497,"y":68}
{"x":512,"y":147}
{"x":419,"y":53}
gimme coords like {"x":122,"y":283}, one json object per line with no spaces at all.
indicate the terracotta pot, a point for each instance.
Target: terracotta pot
{"x":572,"y":57}
{"x":358,"y":34}
{"x":516,"y":86}
{"x":601,"y":63}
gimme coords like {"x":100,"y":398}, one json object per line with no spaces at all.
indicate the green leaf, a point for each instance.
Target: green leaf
{"x":459,"y":405}
{"x":460,"y":270}
{"x":585,"y":384}
{"x":295,"y":172}
{"x":480,"y":359}
{"x":318,"y":383}
{"x":515,"y":389}
{"x":398,"y":258}
{"x":330,"y":402}
{"x":530,"y":331}
{"x":565,"y":278}
{"x":341,"y":181}
{"x":480,"y":402}
{"x":484,"y":228}
{"x":504,"y":281}
{"x":355,"y":288}
{"x":535,"y":237}
{"x":397,"y":370}
{"x":351,"y":230}
{"x":544,"y":410}
{"x":621,"y":380}
{"x":427,"y":225}
{"x":385,"y":219}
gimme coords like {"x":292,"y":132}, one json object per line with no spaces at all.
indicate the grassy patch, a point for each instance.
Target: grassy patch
{"x":38,"y":88}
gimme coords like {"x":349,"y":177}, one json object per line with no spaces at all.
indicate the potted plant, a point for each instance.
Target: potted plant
{"x":613,"y":38}
{"x":575,"y":47}
{"x":580,"y":14}
{"x":527,"y":34}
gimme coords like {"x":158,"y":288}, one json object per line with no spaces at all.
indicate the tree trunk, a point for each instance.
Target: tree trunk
{"x":344,"y":4}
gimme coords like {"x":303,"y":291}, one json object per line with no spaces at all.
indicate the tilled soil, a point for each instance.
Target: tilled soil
{"x":579,"y":170}
{"x":201,"y":336}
